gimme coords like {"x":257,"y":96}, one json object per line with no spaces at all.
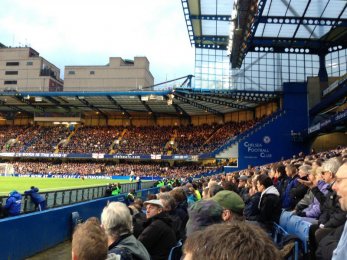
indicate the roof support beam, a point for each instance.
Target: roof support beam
{"x":214,"y":101}
{"x":211,"y":17}
{"x":57,"y":103}
{"x":15,"y":108}
{"x":148,"y":108}
{"x":27,"y":101}
{"x":85,"y":102}
{"x":289,"y":45}
{"x":119,"y":106}
{"x":303,"y":20}
{"x":197,"y":105}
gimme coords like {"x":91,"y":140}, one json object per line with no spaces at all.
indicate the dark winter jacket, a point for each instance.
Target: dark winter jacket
{"x":129,"y":248}
{"x":158,"y":236}
{"x":297,"y":192}
{"x":13,"y":204}
{"x":35,"y":196}
{"x":269,"y":207}
{"x":287,"y":200}
{"x":328,"y":244}
{"x":332,"y":215}
{"x":251,"y":210}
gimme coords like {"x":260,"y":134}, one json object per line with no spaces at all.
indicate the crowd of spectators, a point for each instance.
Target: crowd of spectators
{"x":121,"y":169}
{"x":88,"y":139}
{"x":131,"y":140}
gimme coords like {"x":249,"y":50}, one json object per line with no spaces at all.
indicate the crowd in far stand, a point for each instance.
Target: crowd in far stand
{"x":121,"y":169}
{"x":111,"y":139}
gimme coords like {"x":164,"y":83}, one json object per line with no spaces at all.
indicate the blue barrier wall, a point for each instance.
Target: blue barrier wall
{"x":29,"y":234}
{"x":274,"y":141}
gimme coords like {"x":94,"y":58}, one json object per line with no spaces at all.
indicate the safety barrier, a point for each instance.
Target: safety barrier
{"x":29,"y":234}
{"x":61,"y":198}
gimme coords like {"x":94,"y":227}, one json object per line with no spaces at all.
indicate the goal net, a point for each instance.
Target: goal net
{"x":6,"y":169}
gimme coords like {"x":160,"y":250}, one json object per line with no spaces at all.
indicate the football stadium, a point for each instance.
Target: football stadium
{"x":246,"y":158}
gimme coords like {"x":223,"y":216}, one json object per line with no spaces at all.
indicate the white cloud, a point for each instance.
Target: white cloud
{"x":84,"y":32}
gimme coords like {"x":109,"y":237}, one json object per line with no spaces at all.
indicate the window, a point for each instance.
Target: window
{"x":92,"y":72}
{"x":10,"y":82}
{"x":29,"y":63}
{"x":12,"y":63}
{"x":11,"y":72}
{"x":71,"y":72}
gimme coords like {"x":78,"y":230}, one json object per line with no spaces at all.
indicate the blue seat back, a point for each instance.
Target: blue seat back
{"x":302,"y":231}
{"x":284,"y":218}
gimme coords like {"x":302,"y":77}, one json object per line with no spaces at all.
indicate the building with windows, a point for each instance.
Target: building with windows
{"x":117,"y":75}
{"x":22,"y":69}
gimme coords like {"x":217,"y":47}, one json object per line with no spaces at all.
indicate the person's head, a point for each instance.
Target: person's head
{"x":89,"y":242}
{"x":242,"y":181}
{"x":290,"y":170}
{"x":203,"y":214}
{"x":179,"y":195}
{"x":329,"y":169}
{"x":214,"y":189}
{"x":304,"y":170}
{"x":168,"y":201}
{"x":280,"y":170}
{"x":206,"y":193}
{"x":340,"y":186}
{"x":231,"y":203}
{"x":263,"y":182}
{"x":153,"y":208}
{"x":231,"y":241}
{"x":116,"y":220}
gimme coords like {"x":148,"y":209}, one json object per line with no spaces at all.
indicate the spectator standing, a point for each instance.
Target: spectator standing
{"x":13,"y":204}
{"x":36,"y":198}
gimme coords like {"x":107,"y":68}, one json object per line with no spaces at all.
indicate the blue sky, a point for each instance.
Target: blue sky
{"x":85,"y":32}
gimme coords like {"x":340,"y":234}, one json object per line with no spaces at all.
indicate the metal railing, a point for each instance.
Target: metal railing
{"x":61,"y":198}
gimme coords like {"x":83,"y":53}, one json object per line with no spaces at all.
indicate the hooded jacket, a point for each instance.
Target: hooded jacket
{"x":269,"y":206}
{"x":35,"y":196}
{"x":128,"y":247}
{"x":158,"y":236}
{"x":13,"y":203}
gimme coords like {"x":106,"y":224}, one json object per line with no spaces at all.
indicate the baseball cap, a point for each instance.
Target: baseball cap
{"x":202,"y":214}
{"x":230,"y":200}
{"x":154,"y":202}
{"x":243,"y":178}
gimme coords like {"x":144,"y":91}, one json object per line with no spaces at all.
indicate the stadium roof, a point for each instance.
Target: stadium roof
{"x":286,"y":26}
{"x":184,"y":102}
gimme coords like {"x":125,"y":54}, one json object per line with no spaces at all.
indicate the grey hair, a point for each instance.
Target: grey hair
{"x":331,"y":165}
{"x":116,"y":220}
{"x":305,"y":168}
{"x":168,"y":201}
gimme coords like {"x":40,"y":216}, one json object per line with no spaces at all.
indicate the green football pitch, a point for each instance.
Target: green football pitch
{"x":7,"y":184}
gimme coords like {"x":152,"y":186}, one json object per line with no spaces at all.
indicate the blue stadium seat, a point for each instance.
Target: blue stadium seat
{"x":292,"y":224}
{"x":284,"y":219}
{"x":301,"y":231}
{"x":280,"y":236}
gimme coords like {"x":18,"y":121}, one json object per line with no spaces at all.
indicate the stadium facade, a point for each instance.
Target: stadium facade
{"x":23,"y":69}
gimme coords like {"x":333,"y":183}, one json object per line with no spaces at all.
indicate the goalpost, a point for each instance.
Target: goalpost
{"x":6,"y":169}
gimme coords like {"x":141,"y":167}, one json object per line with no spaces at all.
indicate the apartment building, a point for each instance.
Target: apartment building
{"x":117,"y":75}
{"x":22,"y":69}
